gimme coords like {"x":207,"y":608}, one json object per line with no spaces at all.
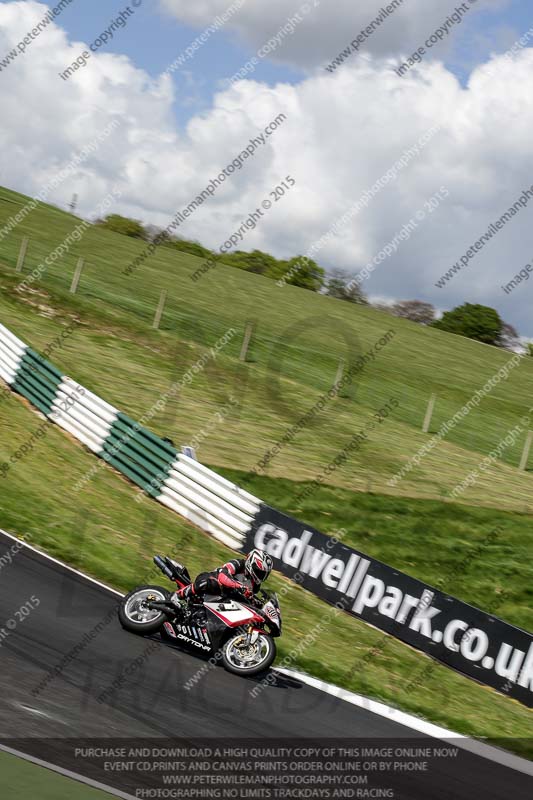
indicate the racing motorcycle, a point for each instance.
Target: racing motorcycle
{"x":236,"y":631}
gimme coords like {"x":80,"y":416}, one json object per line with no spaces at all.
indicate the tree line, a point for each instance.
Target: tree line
{"x":472,"y":320}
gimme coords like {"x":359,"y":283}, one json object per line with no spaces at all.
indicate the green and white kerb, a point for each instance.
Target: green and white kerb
{"x":206,"y":499}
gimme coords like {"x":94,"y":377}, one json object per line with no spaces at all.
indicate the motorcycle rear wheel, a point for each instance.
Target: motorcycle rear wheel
{"x":133,"y":614}
{"x":251,"y":660}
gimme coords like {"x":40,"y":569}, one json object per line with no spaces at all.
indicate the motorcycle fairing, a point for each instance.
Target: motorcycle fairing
{"x":231,"y":613}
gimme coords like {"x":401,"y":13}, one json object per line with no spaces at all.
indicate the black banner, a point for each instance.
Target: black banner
{"x":457,"y":634}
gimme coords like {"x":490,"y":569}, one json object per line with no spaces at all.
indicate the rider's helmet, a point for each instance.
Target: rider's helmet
{"x":258,"y":566}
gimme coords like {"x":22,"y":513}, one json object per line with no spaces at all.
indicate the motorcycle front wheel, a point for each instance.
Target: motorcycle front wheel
{"x":136,"y":617}
{"x":242,"y":659}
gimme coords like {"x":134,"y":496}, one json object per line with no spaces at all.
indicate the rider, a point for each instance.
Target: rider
{"x":253,"y":570}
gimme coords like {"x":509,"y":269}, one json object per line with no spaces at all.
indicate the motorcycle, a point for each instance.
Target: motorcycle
{"x":238,"y":631}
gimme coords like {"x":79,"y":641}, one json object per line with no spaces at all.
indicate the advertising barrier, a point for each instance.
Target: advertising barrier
{"x":457,"y":634}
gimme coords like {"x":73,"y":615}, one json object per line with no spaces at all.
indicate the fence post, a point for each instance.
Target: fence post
{"x":340,"y":372}
{"x":246,"y":341}
{"x":160,"y":309}
{"x":76,"y":277}
{"x":429,"y":413}
{"x":22,"y":253}
{"x":525,"y":453}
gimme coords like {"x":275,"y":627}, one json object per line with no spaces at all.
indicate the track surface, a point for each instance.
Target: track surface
{"x":153,"y":703}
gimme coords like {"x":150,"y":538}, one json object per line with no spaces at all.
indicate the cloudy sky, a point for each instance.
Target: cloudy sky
{"x":344,"y":129}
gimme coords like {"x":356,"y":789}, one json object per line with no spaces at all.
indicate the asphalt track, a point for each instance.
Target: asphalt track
{"x":152,"y":703}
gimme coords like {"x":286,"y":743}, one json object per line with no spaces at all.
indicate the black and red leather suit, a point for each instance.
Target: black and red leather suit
{"x":221,"y":581}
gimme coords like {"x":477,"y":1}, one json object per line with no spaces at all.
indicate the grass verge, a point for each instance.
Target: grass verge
{"x":20,"y":779}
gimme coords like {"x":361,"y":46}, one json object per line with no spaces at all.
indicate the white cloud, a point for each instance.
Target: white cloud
{"x":342,"y":132}
{"x":324,"y":27}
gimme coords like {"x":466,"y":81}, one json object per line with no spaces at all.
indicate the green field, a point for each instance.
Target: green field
{"x":298,"y":340}
{"x":22,"y":779}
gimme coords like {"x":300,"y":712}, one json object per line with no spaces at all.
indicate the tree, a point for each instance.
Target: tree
{"x":257,"y":262}
{"x":415,"y":310}
{"x":304,"y":272}
{"x":191,"y":247}
{"x":123,"y":225}
{"x":157,"y":234}
{"x":298,"y":271}
{"x":509,"y":337}
{"x":341,"y":287}
{"x":474,"y":321}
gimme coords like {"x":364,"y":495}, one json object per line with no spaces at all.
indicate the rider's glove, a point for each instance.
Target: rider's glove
{"x":247,"y":592}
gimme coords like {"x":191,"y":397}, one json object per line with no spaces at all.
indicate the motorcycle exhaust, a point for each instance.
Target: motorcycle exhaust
{"x":158,"y":561}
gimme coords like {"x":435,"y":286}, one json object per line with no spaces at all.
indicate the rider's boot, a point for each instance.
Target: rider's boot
{"x":181,"y":606}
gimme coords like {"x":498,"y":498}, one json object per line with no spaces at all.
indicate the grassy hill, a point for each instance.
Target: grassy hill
{"x":299,"y":338}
